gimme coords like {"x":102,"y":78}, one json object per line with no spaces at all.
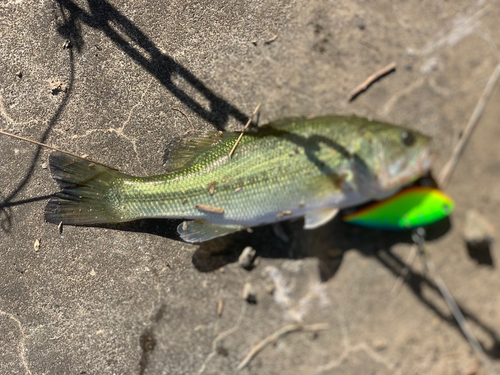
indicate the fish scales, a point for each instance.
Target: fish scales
{"x":295,"y":166}
{"x":260,"y":165}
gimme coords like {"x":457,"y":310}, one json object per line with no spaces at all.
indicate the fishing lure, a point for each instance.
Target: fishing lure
{"x":410,"y":208}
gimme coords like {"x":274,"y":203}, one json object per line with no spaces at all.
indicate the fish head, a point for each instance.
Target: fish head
{"x":393,"y":155}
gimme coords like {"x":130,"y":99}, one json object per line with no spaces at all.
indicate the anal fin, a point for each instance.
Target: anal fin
{"x":318,"y":218}
{"x":200,"y":231}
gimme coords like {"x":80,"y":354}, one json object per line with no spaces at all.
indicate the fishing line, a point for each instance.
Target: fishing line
{"x":418,"y":237}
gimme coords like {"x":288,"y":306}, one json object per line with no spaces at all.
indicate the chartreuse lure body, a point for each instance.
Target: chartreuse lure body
{"x":295,"y":167}
{"x":412,"y":207}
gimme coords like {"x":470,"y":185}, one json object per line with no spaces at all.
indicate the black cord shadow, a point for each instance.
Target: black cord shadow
{"x":6,"y":203}
{"x":105,"y":17}
{"x":5,"y":216}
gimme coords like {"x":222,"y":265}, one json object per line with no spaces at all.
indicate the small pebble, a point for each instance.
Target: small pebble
{"x":379,"y":344}
{"x":67,"y":44}
{"x":248,"y":294}
{"x":270,"y":288}
{"x":246,"y":257}
{"x":36,"y":245}
{"x":478,"y":234}
{"x":477,"y":228}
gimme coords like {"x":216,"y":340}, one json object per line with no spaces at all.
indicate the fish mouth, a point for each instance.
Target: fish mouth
{"x":406,"y":174}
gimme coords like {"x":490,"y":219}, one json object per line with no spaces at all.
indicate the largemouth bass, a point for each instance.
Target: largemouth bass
{"x":290,"y":168}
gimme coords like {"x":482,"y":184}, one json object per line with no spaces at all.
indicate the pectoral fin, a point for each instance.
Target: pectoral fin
{"x":318,"y":218}
{"x":200,"y":231}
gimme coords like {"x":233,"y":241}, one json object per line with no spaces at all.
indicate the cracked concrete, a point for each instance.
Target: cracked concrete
{"x":132,"y":298}
{"x":8,"y":359}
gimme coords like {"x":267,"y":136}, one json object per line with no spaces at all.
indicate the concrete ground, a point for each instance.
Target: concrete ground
{"x":118,"y":80}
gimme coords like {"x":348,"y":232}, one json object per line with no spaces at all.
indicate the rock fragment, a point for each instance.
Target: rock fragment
{"x":478,"y":234}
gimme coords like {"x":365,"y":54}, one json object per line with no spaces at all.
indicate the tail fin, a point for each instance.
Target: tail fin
{"x":88,"y":195}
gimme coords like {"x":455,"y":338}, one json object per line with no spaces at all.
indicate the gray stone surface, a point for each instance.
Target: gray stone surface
{"x":102,"y":300}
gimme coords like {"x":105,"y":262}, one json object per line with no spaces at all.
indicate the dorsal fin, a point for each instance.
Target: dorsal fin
{"x":182,"y":151}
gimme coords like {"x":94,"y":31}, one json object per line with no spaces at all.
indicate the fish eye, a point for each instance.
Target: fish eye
{"x":407,"y":137}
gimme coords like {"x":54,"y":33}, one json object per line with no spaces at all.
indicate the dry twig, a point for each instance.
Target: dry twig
{"x":206,"y":208}
{"x":220,"y":306}
{"x":39,"y":144}
{"x":243,"y":131}
{"x":271,"y":40}
{"x":276,"y":335}
{"x":52,"y":148}
{"x":371,"y":79}
{"x":187,"y":118}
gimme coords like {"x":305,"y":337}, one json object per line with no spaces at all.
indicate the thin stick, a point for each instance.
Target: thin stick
{"x":243,"y":131}
{"x":38,"y":143}
{"x":276,"y":335}
{"x":452,"y":304}
{"x":52,"y":148}
{"x":371,"y":79}
{"x":186,"y":116}
{"x":447,"y":170}
{"x":220,"y":306}
{"x":206,"y":208}
{"x":271,"y":40}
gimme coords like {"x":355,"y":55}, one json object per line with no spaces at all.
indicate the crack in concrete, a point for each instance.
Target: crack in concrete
{"x":389,"y":104}
{"x":21,"y":347}
{"x":120,"y":132}
{"x":296,"y":309}
{"x":3,"y":111}
{"x":350,"y":349}
{"x":220,"y":336}
{"x":461,"y":28}
{"x":9,"y":120}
